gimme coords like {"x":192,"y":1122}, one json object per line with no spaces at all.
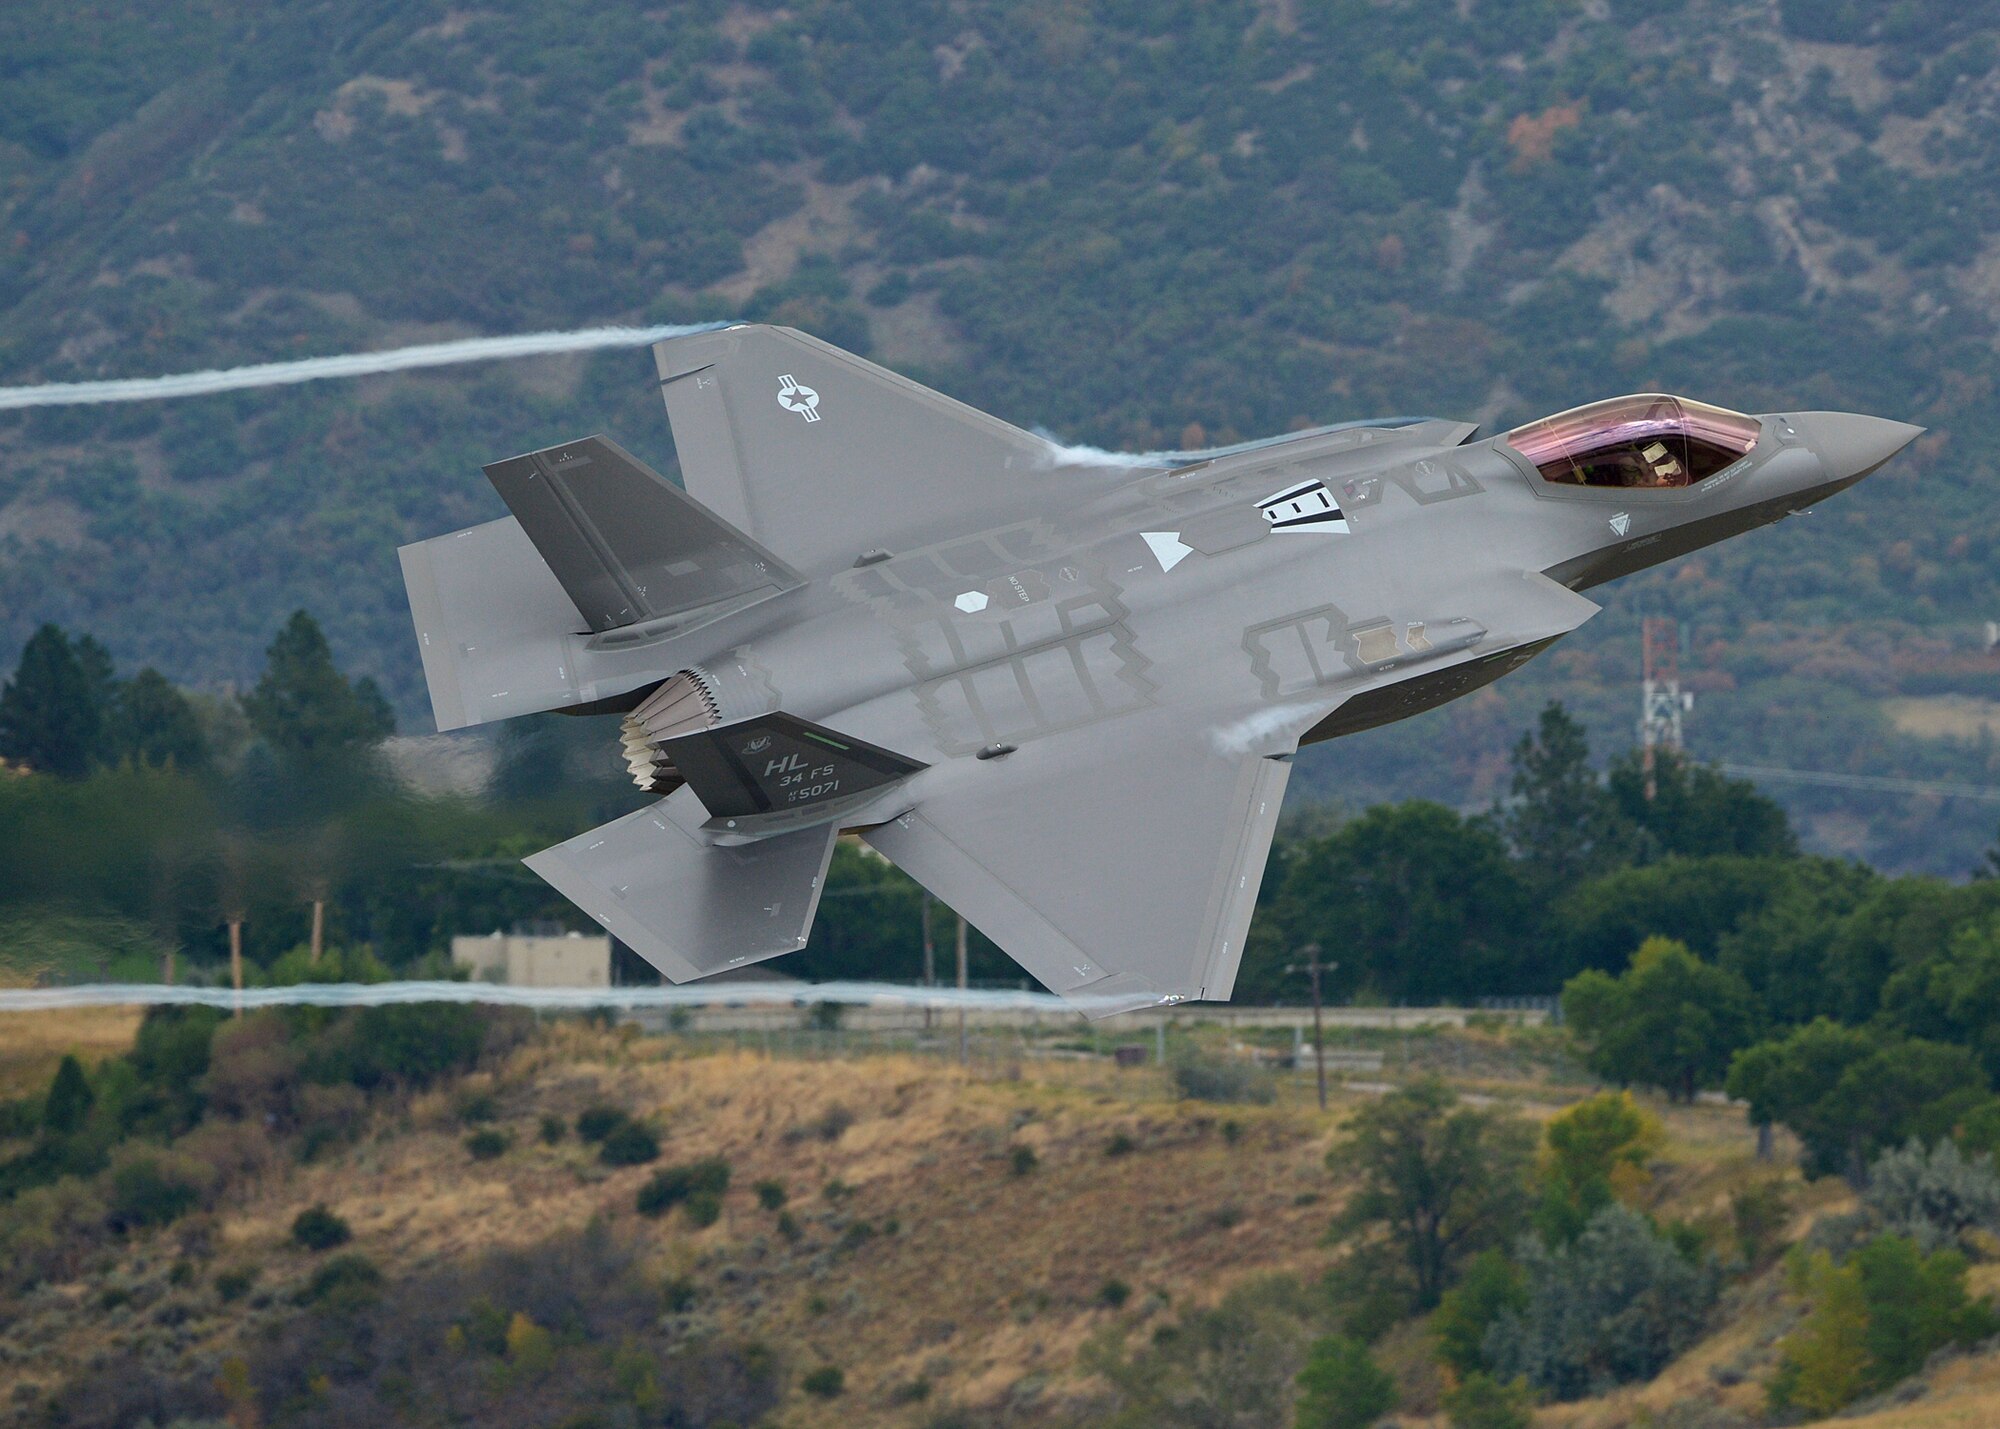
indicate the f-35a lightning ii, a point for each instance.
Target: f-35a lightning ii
{"x":1062,"y":690}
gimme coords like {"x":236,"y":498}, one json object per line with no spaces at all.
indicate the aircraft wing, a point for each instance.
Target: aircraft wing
{"x":1118,"y":865}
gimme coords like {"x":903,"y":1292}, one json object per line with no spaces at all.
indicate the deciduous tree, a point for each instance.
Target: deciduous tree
{"x":1848,"y":1093}
{"x":1441,"y":1181}
{"x":1671,"y":1021}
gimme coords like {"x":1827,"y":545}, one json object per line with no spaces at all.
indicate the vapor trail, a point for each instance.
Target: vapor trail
{"x":1069,"y":454}
{"x":352,"y":364}
{"x":379,"y":994}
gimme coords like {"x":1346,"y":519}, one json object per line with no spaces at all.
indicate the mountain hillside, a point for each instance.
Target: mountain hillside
{"x":1041,"y":1241}
{"x":1134,"y":225}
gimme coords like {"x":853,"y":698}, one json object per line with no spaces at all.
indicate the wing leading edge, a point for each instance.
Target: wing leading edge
{"x":1121,"y":872}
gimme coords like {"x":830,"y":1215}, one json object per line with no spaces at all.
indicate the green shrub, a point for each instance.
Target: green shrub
{"x":678,"y":1295}
{"x":788,"y":1226}
{"x":1114,"y":1293}
{"x":1492,"y":1285}
{"x":1482,"y":1402}
{"x":1935,"y":1197}
{"x":826,"y":1382}
{"x":1611,"y":1308}
{"x":233,"y":1285}
{"x":144,"y":1192}
{"x":553,"y":1130}
{"x":1234,"y":1363}
{"x":344,"y":1281}
{"x":486,"y":1144}
{"x":704,"y":1208}
{"x":20,"y":1118}
{"x":629,"y":1144}
{"x":597,"y":1122}
{"x":708,"y":1178}
{"x":479,"y":1108}
{"x":318,"y":1228}
{"x":1222,"y":1079}
{"x":1022,"y":1159}
{"x":1120,"y":1145}
{"x":829,"y":1125}
{"x":1342,"y":1387}
{"x":1759,"y":1215}
{"x":771,"y":1194}
{"x":1873,"y":1322}
{"x":413,"y":1044}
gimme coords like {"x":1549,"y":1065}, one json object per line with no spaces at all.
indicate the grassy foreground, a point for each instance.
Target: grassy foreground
{"x":964,"y":1246}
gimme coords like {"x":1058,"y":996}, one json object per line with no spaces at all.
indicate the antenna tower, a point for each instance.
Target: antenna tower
{"x":1661,"y":702}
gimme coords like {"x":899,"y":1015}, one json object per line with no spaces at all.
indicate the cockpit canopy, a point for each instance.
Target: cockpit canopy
{"x":1647,"y":440}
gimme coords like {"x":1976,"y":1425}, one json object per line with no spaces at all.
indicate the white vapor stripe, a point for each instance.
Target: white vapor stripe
{"x":352,"y":364}
{"x":378,"y":994}
{"x":1071,"y":454}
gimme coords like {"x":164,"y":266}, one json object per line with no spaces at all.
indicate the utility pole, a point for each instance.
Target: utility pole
{"x":963,"y":1058}
{"x":1313,"y":967}
{"x":1661,"y":702}
{"x":236,"y":957}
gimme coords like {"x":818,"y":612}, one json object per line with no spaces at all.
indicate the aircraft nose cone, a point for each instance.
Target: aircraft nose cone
{"x":1851,"y":445}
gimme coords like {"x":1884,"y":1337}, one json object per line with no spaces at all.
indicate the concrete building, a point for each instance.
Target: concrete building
{"x":536,"y":960}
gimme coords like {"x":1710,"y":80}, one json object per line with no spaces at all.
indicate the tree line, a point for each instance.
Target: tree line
{"x":1694,"y":946}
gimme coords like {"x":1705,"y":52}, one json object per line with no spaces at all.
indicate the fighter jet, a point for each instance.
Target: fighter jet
{"x":1061,"y":689}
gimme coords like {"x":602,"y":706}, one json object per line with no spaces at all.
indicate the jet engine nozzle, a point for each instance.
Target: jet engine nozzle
{"x":680,"y":706}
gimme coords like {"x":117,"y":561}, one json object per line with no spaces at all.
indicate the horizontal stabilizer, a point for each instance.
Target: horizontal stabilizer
{"x":492,"y":624}
{"x":627,"y":544}
{"x":688,"y":907}
{"x":778,"y":769}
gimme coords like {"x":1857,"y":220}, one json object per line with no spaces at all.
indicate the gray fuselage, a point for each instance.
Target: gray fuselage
{"x":1175,"y":578}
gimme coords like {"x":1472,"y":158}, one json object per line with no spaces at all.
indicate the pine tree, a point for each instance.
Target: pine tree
{"x":156,"y":725}
{"x":69,"y":1100}
{"x":51,"y":712}
{"x":304,"y":705}
{"x":1562,"y":824}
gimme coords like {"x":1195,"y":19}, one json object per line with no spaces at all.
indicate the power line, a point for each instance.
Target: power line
{"x":1876,"y":783}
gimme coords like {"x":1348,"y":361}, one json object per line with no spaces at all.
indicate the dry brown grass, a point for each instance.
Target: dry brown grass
{"x":32,"y":1043}
{"x":989,"y":1278}
{"x":1962,"y":717}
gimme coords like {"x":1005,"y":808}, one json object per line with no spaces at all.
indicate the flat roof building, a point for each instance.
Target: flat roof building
{"x":535,"y":960}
